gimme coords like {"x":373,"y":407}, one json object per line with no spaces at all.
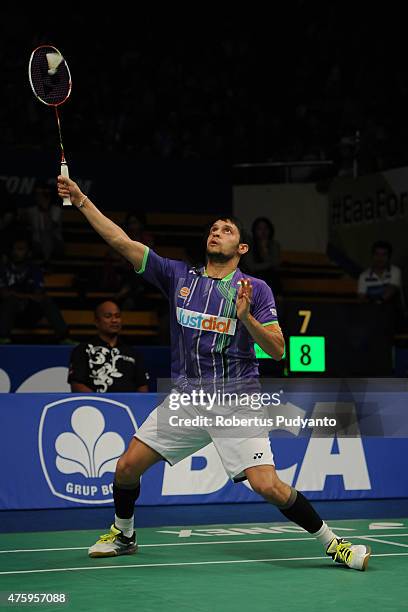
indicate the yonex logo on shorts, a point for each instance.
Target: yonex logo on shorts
{"x":206,"y":322}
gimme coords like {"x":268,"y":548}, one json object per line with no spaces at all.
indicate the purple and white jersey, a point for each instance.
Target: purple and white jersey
{"x":208,"y":342}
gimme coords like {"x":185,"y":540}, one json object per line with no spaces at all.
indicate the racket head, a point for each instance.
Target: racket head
{"x":49,"y":75}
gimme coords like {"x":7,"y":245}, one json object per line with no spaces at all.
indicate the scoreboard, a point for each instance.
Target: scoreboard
{"x":335,"y":339}
{"x":307,"y":353}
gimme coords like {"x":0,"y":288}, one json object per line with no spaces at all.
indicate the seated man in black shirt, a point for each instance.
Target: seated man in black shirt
{"x":106,"y":364}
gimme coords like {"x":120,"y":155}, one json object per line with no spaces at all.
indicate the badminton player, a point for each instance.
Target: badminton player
{"x":216,"y":315}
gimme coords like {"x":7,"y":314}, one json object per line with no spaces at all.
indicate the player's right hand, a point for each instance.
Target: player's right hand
{"x":69,"y":189}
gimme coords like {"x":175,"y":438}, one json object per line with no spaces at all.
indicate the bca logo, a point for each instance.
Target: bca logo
{"x":80,"y":441}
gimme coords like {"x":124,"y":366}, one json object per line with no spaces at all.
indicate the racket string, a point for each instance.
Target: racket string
{"x":51,"y":83}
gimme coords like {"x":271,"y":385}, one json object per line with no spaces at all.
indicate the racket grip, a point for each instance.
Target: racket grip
{"x":64,"y":172}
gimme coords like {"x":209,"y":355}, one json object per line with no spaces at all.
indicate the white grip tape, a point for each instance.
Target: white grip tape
{"x":64,"y":172}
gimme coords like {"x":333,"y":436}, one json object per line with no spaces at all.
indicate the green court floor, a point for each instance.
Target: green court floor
{"x":217,"y":568}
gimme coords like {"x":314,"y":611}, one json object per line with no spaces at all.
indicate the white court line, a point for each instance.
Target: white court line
{"x":207,"y":543}
{"x":387,"y":542}
{"x":100,"y":567}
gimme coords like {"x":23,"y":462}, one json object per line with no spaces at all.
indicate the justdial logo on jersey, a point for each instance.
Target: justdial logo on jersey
{"x":207,"y":322}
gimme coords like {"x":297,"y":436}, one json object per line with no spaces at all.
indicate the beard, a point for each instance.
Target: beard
{"x":218,"y":257}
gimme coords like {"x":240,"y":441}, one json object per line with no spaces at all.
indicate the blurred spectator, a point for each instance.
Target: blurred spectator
{"x":119,"y":279}
{"x":106,"y":363}
{"x":45,"y":223}
{"x":22,"y":295}
{"x":263,"y":258}
{"x":381,"y":282}
{"x":134,"y":226}
{"x":8,"y":217}
{"x":11,"y":224}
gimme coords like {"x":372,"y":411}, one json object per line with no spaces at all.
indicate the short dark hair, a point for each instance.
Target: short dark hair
{"x":382,"y":244}
{"x":244,"y":235}
{"x":103,"y":301}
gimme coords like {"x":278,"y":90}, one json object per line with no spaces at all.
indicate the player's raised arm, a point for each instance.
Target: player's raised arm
{"x":110,"y":232}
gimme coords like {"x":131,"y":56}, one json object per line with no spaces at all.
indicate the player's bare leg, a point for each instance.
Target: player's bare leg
{"x":121,"y":540}
{"x":265,"y":481}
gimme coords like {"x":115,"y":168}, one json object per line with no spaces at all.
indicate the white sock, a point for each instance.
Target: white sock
{"x":125,"y":525}
{"x":324,"y":535}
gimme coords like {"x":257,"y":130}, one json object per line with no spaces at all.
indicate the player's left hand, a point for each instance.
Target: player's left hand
{"x":244,"y":299}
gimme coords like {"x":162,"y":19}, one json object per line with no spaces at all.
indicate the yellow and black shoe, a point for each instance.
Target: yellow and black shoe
{"x":355,"y":556}
{"x":113,"y":544}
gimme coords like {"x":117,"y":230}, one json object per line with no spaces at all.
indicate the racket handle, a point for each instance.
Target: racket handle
{"x":64,"y":172}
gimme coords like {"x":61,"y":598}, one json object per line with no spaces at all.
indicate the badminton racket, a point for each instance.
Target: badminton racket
{"x":50,"y":80}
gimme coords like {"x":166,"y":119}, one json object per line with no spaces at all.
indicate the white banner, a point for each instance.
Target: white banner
{"x":370,"y":208}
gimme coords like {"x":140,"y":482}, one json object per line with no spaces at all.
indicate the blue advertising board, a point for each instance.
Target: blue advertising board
{"x":60,"y":451}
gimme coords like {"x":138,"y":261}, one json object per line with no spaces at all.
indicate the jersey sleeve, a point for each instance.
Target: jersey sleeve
{"x":160,"y":271}
{"x":264,"y":309}
{"x":78,"y":371}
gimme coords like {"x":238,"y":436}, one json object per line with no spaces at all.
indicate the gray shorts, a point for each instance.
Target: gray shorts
{"x":176,"y":435}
